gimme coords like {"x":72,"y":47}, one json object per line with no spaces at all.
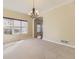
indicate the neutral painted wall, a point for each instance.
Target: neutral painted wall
{"x":59,"y":24}
{"x":13,"y":14}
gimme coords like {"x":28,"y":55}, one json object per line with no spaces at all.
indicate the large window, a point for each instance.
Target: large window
{"x":13,"y":26}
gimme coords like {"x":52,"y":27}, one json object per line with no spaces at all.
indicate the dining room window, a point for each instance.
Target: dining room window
{"x":15,"y":26}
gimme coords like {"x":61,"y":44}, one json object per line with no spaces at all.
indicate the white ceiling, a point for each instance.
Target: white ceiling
{"x":24,"y":6}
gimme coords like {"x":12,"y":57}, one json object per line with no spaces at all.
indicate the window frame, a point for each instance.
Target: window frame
{"x":16,"y":27}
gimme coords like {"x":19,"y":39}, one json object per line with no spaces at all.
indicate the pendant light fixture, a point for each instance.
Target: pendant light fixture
{"x":34,"y":13}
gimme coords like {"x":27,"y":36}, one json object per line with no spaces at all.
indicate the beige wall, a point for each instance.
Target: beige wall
{"x":13,"y":14}
{"x":59,"y":24}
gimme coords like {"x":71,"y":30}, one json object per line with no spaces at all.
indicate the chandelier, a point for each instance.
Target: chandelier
{"x":34,"y":12}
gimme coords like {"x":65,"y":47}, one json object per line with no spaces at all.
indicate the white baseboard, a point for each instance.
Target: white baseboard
{"x":72,"y":46}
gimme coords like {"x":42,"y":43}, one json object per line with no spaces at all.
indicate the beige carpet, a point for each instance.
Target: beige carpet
{"x":38,"y":49}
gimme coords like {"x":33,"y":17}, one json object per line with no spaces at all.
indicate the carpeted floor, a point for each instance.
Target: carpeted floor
{"x":38,"y":49}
